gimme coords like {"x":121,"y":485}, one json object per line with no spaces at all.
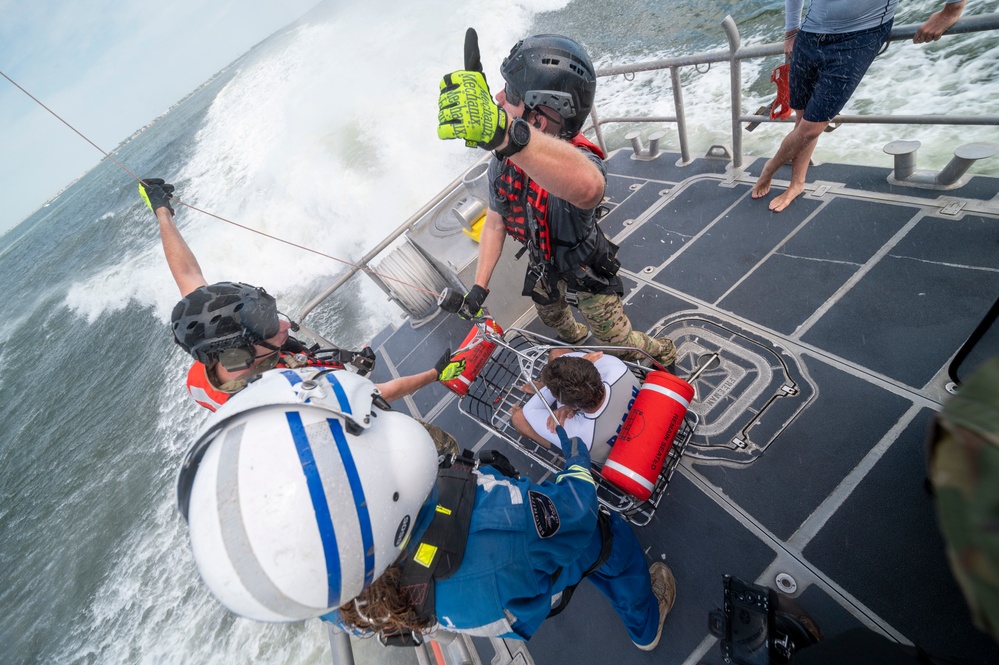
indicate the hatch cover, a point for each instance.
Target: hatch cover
{"x":746,"y":398}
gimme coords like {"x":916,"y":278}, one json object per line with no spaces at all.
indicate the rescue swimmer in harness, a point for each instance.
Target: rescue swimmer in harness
{"x":234,"y":331}
{"x":546,"y":181}
{"x":373,"y":535}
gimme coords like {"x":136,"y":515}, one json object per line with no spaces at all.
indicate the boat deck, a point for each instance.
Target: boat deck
{"x":836,"y":321}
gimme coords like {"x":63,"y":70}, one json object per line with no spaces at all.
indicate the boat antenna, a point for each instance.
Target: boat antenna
{"x":211,"y":214}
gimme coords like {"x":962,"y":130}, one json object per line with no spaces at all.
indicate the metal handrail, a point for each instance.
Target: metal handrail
{"x":362,"y":263}
{"x":735,"y":54}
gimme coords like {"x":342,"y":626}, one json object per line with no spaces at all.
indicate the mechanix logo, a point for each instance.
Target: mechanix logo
{"x":473,"y":107}
{"x":545,"y":515}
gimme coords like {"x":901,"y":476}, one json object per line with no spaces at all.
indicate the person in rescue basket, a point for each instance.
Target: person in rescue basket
{"x":234,"y":331}
{"x":546,"y":181}
{"x":372,"y":535}
{"x":589,"y":393}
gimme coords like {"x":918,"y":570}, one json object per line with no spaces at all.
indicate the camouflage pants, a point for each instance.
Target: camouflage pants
{"x":444,"y":442}
{"x":604,"y":314}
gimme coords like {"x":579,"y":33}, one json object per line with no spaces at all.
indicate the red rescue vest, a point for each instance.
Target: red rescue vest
{"x":510,"y":187}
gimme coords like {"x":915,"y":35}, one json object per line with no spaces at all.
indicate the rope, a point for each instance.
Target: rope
{"x":210,"y":214}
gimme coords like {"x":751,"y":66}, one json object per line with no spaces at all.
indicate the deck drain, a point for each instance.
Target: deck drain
{"x":786,"y":583}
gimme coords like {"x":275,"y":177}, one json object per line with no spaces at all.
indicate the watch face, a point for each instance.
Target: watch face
{"x":520,"y":132}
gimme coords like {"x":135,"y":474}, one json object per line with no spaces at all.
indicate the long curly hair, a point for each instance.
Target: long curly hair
{"x":384,"y":608}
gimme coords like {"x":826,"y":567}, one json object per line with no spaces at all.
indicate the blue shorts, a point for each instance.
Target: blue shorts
{"x":826,"y":69}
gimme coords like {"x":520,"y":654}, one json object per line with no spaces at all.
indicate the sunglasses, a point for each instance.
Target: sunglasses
{"x":238,"y":358}
{"x":243,"y":356}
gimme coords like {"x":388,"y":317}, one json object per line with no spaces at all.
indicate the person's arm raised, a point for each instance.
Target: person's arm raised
{"x":183,"y":264}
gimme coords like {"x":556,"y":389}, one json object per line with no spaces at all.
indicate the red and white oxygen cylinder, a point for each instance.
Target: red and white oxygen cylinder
{"x":647,"y":434}
{"x":476,"y":352}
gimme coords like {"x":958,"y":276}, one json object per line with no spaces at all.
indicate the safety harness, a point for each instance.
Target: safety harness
{"x":553,"y":253}
{"x":438,"y":553}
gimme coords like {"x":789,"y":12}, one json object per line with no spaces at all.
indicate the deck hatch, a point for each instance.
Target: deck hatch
{"x":745,"y":402}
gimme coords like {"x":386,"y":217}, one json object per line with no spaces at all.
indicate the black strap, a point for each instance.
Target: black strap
{"x":438,"y":553}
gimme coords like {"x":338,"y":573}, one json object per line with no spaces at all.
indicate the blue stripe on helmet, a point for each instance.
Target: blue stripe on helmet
{"x":340,"y":393}
{"x":319,"y":504}
{"x":293,"y":377}
{"x":360,"y":502}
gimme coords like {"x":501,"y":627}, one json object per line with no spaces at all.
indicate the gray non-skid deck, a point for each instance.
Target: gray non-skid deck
{"x":836,"y":321}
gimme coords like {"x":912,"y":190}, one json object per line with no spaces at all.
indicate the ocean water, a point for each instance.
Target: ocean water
{"x":324,"y":135}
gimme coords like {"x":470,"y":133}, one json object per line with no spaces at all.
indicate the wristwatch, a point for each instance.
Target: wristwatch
{"x":518,"y":136}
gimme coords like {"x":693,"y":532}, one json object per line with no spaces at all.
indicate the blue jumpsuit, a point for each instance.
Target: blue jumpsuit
{"x":521,"y":535}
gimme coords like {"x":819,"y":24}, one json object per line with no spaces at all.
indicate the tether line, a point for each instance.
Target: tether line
{"x":211,"y":214}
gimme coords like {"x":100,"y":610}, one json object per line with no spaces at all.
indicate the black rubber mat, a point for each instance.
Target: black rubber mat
{"x":890,"y":518}
{"x":664,"y":166}
{"x":819,"y":448}
{"x":690,"y":209}
{"x":731,"y":247}
{"x":875,"y":179}
{"x":632,"y":207}
{"x":906,"y":317}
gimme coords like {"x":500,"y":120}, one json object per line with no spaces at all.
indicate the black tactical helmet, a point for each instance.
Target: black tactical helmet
{"x":552,"y":71}
{"x":221,"y":316}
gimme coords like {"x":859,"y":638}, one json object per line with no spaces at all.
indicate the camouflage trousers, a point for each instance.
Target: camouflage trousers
{"x":604,"y":314}
{"x":444,"y":442}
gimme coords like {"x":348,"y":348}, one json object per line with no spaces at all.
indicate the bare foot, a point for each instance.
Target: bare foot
{"x":761,"y":188}
{"x":784,"y":200}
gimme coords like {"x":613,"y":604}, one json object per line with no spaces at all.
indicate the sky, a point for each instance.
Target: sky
{"x":108,"y":67}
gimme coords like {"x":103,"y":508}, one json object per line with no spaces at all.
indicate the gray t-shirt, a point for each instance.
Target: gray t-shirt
{"x":827,"y":17}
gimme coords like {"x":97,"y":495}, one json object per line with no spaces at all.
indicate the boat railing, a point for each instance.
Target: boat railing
{"x":734,"y":55}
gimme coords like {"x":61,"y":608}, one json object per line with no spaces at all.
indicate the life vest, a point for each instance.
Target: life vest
{"x":526,"y":212}
{"x":209,"y":396}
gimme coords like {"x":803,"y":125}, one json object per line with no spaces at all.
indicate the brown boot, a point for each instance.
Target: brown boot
{"x":664,"y":586}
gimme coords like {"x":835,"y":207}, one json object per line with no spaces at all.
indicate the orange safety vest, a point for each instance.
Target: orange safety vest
{"x":207,"y":395}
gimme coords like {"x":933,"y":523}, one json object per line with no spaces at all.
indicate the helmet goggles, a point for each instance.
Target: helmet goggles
{"x":561,"y":102}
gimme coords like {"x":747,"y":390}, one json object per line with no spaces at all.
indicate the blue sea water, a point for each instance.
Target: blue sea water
{"x":323,"y":135}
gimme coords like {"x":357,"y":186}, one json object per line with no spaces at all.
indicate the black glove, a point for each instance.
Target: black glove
{"x":447,"y":368}
{"x":156,"y":193}
{"x":364,"y":361}
{"x":471,"y":306}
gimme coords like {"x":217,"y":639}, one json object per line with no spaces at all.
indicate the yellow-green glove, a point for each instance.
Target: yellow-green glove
{"x":447,"y":368}
{"x":467,"y":111}
{"x":156,"y":193}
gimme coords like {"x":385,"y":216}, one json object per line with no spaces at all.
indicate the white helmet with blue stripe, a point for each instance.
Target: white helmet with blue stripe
{"x":298,"y":494}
